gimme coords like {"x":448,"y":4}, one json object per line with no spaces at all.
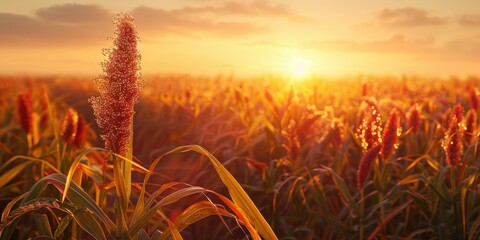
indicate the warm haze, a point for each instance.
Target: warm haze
{"x":294,"y":38}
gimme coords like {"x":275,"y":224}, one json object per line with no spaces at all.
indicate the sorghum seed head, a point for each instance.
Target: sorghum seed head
{"x":119,"y":87}
{"x":473,"y":99}
{"x":81,"y":132}
{"x":452,"y":143}
{"x":413,"y":118}
{"x":366,"y":164}
{"x":390,"y":134}
{"x":24,"y":112}
{"x":370,"y":128}
{"x":470,"y":126}
{"x":69,"y":126}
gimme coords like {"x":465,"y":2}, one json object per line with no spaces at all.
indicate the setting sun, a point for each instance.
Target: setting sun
{"x":299,"y":68}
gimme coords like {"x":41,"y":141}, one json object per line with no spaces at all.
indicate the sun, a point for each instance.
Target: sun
{"x":299,"y":68}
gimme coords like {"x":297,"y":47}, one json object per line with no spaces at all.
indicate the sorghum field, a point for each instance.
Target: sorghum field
{"x":365,"y":157}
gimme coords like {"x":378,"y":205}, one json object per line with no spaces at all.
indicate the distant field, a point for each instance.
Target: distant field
{"x":361,"y":157}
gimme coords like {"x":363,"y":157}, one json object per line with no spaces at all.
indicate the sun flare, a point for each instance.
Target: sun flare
{"x":299,"y":68}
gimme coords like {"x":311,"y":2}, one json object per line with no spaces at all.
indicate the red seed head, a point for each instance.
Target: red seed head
{"x":364,"y":89}
{"x":413,"y":118}
{"x":370,"y":128}
{"x":335,"y":134}
{"x":470,"y":126}
{"x":119,"y":87}
{"x":390,"y":134}
{"x":366,"y":164}
{"x":291,"y":135}
{"x":24,"y":112}
{"x":452,"y":143}
{"x":473,"y":99}
{"x":69,"y":126}
{"x":457,"y":112}
{"x":81,"y":132}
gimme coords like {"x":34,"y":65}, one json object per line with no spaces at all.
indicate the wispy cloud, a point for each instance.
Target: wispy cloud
{"x":259,"y":8}
{"x":470,"y":20}
{"x":74,"y":13}
{"x":54,"y":27}
{"x":159,"y":21}
{"x":461,"y":48}
{"x":408,"y":17}
{"x":395,"y":44}
{"x":88,"y":24}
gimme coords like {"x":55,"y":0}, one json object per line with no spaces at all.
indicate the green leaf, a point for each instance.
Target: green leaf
{"x":138,"y":223}
{"x":89,"y":223}
{"x":195,"y":213}
{"x":76,"y":196}
{"x":73,"y":167}
{"x":13,"y":172}
{"x":62,"y":226}
{"x":239,"y":196}
{"x":43,"y":224}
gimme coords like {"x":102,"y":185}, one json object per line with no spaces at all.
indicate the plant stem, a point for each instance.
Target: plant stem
{"x":362,"y":214}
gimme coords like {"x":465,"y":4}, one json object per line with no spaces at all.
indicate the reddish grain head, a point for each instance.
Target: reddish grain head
{"x":81,"y":132}
{"x":336,"y":132}
{"x":390,"y":134}
{"x":470,"y":126}
{"x":413,"y":119}
{"x":473,"y":99}
{"x":119,"y":87}
{"x":293,"y":144}
{"x":366,"y":164}
{"x":452,"y":143}
{"x":370,"y":128}
{"x":69,"y":126}
{"x":457,"y":112}
{"x":24,"y":112}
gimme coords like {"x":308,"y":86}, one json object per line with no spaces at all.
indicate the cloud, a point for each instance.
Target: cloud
{"x":159,"y":21}
{"x":57,"y":26}
{"x":258,"y":8}
{"x":28,"y":31}
{"x":394,"y":44}
{"x":74,"y":13}
{"x":408,"y":17}
{"x":469,"y":20}
{"x":461,"y":48}
{"x":89,"y":24}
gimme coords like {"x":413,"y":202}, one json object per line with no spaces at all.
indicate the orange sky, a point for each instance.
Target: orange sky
{"x":344,"y":37}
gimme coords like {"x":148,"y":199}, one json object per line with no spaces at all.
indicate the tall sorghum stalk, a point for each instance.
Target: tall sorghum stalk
{"x":119,"y":87}
{"x":362,"y":174}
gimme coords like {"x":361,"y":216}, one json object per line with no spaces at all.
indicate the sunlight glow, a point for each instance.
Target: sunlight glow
{"x":299,"y":68}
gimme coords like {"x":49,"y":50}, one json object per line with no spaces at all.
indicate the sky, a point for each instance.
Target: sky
{"x":247,"y":38}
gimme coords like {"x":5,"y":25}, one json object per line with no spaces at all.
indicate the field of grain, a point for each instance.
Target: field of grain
{"x":302,"y":152}
{"x":176,"y":156}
